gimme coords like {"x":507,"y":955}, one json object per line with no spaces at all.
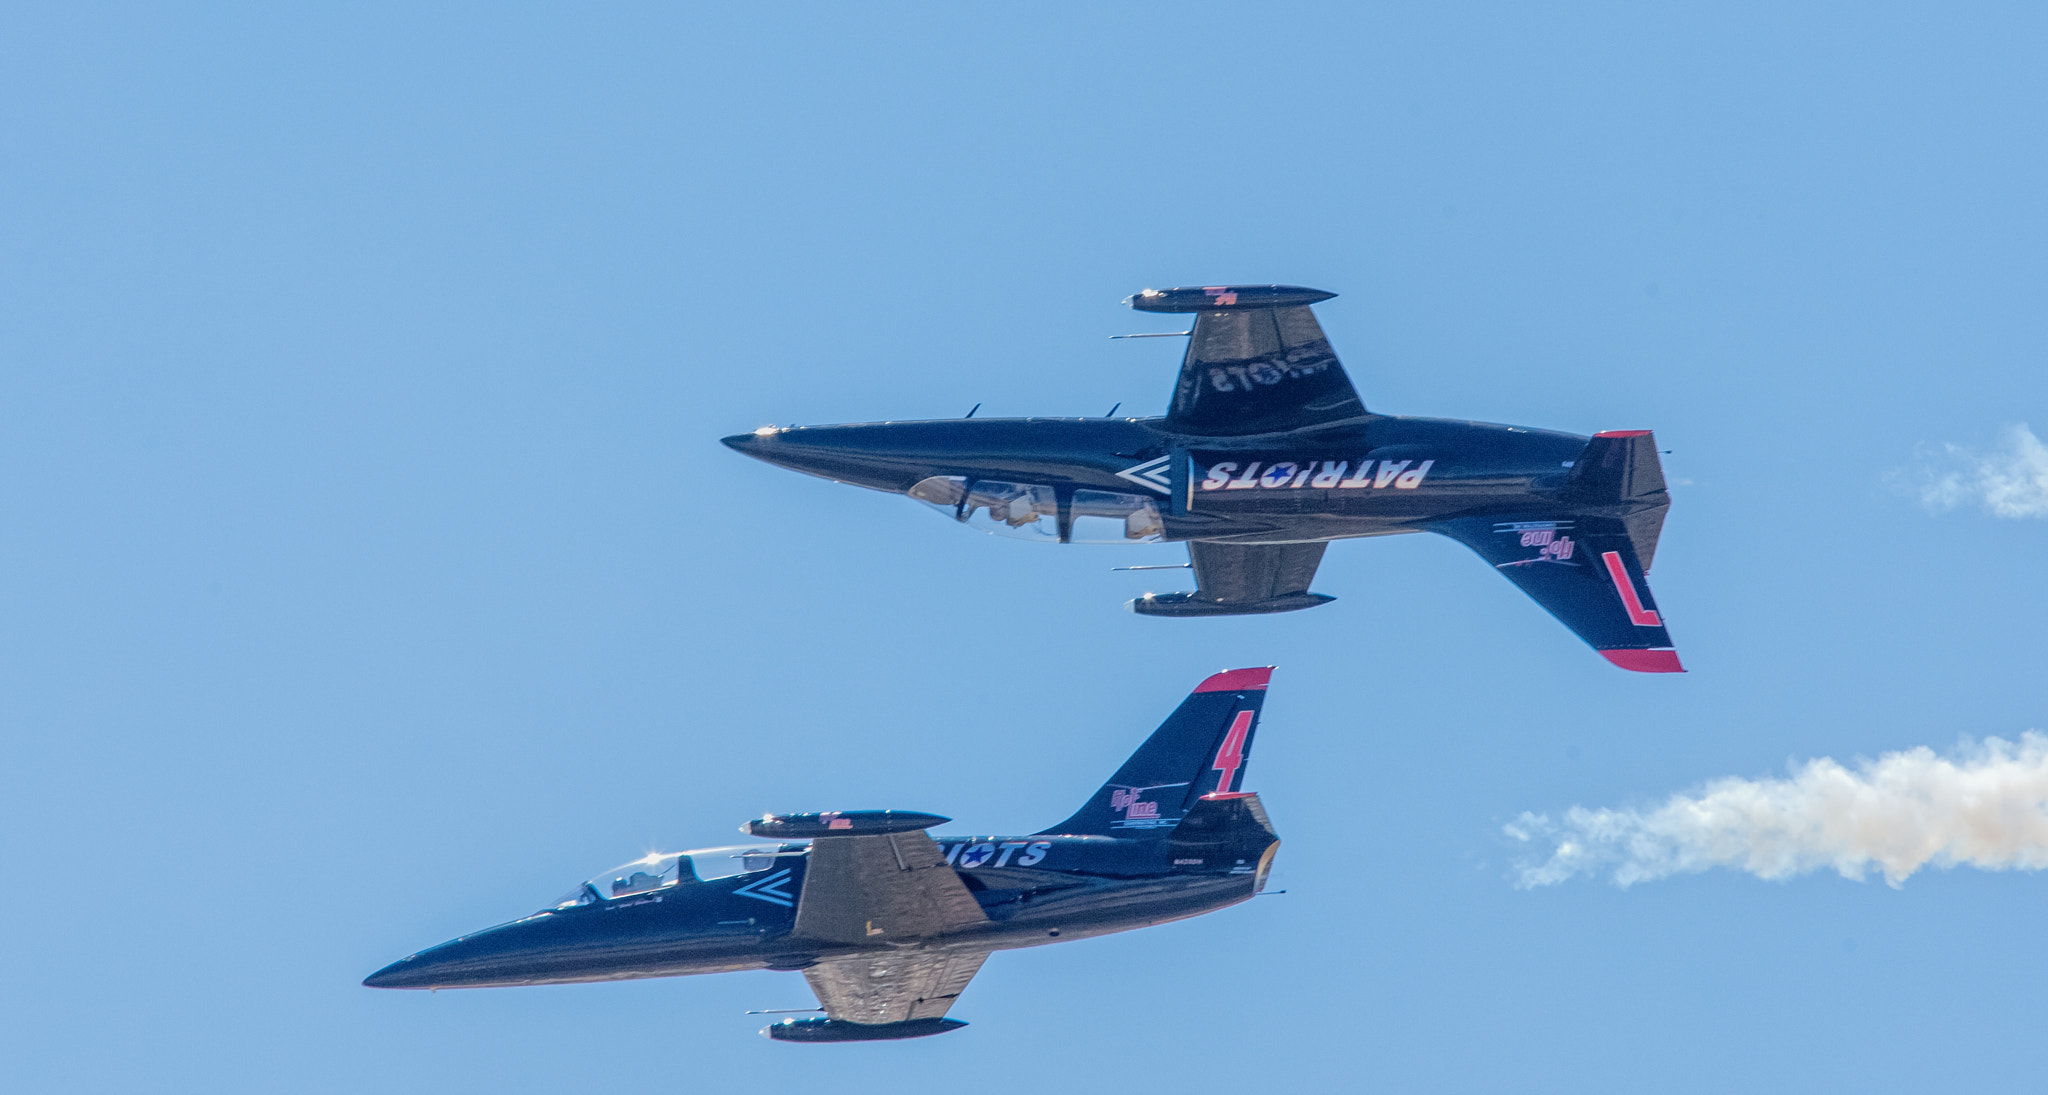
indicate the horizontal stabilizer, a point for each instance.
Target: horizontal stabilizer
{"x":1223,"y":825}
{"x":1619,"y":473}
{"x":1220,"y":817}
{"x":1224,"y":832}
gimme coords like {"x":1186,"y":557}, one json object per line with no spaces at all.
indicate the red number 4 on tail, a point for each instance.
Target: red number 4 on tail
{"x":1230,"y":755}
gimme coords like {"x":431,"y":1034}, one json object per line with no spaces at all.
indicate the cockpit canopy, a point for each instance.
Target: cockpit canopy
{"x":1032,"y":511}
{"x":663,"y":869}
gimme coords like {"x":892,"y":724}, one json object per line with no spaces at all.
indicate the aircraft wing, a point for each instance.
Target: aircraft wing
{"x":879,"y":889}
{"x":1242,"y":579}
{"x":1257,"y":361}
{"x":1584,"y":570}
{"x":893,"y":986}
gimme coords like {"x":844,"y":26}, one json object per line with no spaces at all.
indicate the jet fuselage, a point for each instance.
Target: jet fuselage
{"x":1034,"y":889}
{"x":1266,"y":454}
{"x":1379,"y":475}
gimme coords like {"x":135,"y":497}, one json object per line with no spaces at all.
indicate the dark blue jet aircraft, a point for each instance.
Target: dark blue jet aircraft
{"x":887,"y":923}
{"x":1266,"y":455}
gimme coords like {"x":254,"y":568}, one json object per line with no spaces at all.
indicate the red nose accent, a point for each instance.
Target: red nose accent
{"x":1645,"y":661}
{"x":1238,"y":680}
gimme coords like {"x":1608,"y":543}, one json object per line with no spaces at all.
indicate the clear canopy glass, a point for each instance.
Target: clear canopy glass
{"x":659,"y":870}
{"x":1031,"y":511}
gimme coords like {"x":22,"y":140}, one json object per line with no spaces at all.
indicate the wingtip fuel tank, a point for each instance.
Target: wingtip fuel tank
{"x":839,"y":823}
{"x":1210,"y":298}
{"x":840,"y":1030}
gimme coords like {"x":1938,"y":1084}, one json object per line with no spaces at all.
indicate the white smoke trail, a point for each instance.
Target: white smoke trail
{"x":2011,"y":481}
{"x":1982,"y":806}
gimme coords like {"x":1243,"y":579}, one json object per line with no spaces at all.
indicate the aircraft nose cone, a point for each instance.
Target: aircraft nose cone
{"x":751,"y":442}
{"x":887,"y":456}
{"x":402,"y":974}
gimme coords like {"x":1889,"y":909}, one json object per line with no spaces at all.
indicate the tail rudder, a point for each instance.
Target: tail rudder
{"x":1201,"y":749}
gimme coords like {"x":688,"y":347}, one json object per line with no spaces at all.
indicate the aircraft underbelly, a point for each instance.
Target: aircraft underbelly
{"x":1100,"y":907}
{"x":631,"y":971}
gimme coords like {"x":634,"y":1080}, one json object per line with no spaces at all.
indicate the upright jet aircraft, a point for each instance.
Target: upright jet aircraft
{"x":1266,"y":455}
{"x":887,"y":923}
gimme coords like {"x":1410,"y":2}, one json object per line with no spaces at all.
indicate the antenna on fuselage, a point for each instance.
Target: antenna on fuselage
{"x":1112,"y":411}
{"x":970,"y":414}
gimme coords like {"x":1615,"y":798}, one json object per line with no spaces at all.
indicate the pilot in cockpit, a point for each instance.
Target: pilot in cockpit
{"x":637,"y":882}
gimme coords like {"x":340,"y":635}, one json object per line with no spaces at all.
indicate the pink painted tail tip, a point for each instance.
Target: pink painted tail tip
{"x":1238,"y":680}
{"x":1622,"y":433}
{"x":1645,"y":661}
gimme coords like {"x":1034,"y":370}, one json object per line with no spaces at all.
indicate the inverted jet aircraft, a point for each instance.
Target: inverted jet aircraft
{"x":887,"y":923}
{"x":1265,"y":455}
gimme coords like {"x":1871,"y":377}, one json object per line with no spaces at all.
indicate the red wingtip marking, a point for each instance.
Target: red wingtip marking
{"x":1238,"y":680}
{"x":1645,"y":661}
{"x":1622,"y":433}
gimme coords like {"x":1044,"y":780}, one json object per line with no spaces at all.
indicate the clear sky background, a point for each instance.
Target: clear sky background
{"x":370,"y":570}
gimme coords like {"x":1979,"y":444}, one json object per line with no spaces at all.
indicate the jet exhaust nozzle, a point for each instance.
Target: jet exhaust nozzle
{"x":840,"y":1030}
{"x":840,"y":823}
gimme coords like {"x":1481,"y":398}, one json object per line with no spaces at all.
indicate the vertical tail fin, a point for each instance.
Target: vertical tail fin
{"x":1200,"y":749}
{"x":1587,"y":558}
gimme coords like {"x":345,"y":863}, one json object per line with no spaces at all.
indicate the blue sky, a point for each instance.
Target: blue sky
{"x":371,"y":572}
